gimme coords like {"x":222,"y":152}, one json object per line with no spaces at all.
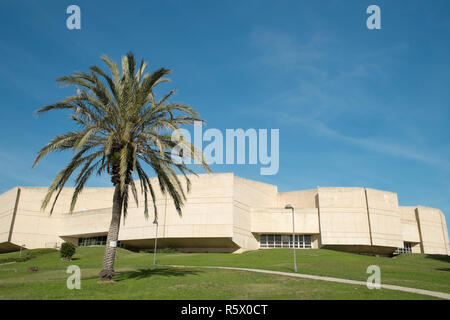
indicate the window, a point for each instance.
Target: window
{"x":270,"y":242}
{"x":263,"y":240}
{"x":92,"y":241}
{"x":284,"y":241}
{"x":278,"y":243}
{"x":406,"y":248}
{"x":307,"y":241}
{"x":95,"y":241}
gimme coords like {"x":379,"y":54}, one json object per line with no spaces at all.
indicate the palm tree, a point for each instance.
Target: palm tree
{"x":123,"y":128}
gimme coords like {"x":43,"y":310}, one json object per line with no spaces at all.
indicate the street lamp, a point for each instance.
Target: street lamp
{"x":156,"y":241}
{"x":20,"y":253}
{"x":288,"y":206}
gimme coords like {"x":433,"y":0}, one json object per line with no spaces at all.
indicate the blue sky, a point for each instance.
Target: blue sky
{"x":355,"y":107}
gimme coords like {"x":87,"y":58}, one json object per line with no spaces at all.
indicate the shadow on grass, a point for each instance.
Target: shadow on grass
{"x":145,"y":273}
{"x":439,"y":257}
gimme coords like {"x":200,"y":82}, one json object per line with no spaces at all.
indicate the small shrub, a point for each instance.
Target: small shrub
{"x":67,"y":250}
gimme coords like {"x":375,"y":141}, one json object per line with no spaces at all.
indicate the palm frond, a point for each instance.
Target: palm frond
{"x":122,"y":126}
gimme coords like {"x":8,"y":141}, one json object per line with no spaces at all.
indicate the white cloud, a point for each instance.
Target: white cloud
{"x":372,"y":144}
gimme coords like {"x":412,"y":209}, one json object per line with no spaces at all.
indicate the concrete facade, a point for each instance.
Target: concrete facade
{"x":226,"y":213}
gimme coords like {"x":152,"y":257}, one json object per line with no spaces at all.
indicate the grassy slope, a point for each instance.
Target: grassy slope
{"x":137,"y":279}
{"x":430,"y":272}
{"x":23,"y":256}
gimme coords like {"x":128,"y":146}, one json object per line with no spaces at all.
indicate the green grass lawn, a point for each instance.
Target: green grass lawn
{"x":429,"y":272}
{"x":136,"y":277}
{"x":23,"y":256}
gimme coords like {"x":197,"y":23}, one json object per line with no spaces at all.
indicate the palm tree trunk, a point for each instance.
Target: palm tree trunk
{"x":110,"y":252}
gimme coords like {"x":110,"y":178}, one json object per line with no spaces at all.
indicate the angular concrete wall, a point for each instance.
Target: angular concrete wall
{"x":410,"y":227}
{"x":343,"y":216}
{"x":89,"y":222}
{"x":298,"y":199}
{"x":226,"y":212}
{"x":248,"y":194}
{"x":279,"y":221}
{"x":39,"y":229}
{"x":33,"y":228}
{"x":207,"y":211}
{"x":433,"y":230}
{"x":7,"y":205}
{"x":445,"y":232}
{"x":384,"y":218}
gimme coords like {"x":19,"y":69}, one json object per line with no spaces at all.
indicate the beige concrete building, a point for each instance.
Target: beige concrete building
{"x":226,"y":213}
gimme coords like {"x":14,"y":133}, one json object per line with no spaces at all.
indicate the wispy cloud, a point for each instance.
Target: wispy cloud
{"x":331,"y":88}
{"x":281,"y":51}
{"x":381,"y":146}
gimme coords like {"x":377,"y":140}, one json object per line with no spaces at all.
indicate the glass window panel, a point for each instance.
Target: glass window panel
{"x":92,"y":241}
{"x":307,"y":240}
{"x":284,"y":241}
{"x":407,"y":248}
{"x":270,"y":241}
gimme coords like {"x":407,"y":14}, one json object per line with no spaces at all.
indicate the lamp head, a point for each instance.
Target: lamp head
{"x":288,"y":206}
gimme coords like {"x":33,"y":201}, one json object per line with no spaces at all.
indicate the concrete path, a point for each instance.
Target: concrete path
{"x":436,"y":294}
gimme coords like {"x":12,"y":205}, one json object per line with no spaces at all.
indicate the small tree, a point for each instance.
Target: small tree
{"x":67,"y":250}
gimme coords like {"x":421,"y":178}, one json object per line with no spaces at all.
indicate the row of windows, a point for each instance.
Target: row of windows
{"x":406,"y":248}
{"x":265,"y":241}
{"x":284,"y":241}
{"x":94,"y":241}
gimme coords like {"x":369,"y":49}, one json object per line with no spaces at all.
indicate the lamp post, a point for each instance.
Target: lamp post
{"x":20,"y":253}
{"x":156,"y":241}
{"x":288,"y":206}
